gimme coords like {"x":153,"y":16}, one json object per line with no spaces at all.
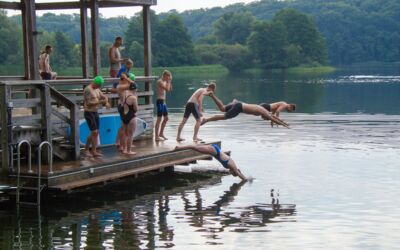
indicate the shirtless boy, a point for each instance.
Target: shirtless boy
{"x":195,"y":106}
{"x":163,"y":85}
{"x":92,"y":98}
{"x":236,"y":107}
{"x":276,"y":107}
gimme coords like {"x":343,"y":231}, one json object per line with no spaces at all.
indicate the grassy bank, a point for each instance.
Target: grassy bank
{"x":210,"y":70}
{"x":301,"y":70}
{"x":202,"y":69}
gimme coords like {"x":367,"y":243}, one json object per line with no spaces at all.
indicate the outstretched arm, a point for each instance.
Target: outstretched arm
{"x":233,"y":169}
{"x":218,"y":102}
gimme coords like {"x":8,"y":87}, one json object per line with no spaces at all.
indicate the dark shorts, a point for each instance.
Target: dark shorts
{"x":92,"y":120}
{"x":45,"y":76}
{"x":162,"y":109}
{"x":266,"y":106}
{"x":192,"y":108}
{"x":232,"y":110}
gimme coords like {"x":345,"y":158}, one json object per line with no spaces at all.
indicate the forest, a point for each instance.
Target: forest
{"x":265,"y":34}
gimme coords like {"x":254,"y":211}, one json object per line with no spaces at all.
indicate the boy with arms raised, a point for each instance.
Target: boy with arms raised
{"x":163,"y":85}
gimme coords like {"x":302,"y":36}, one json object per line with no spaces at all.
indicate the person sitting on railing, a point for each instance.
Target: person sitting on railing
{"x":45,"y":70}
{"x":92,"y":98}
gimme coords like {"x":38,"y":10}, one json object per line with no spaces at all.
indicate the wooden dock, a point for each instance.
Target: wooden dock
{"x":49,"y":115}
{"x":151,"y":156}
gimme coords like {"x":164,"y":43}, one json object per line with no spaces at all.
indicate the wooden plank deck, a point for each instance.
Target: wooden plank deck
{"x":150,"y":156}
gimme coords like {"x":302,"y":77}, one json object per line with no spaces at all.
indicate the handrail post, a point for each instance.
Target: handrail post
{"x":75,"y":133}
{"x":40,"y":165}
{"x":5,"y":98}
{"x":19,"y":163}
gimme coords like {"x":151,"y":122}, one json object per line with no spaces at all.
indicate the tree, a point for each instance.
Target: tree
{"x":235,"y":57}
{"x":301,"y":31}
{"x":232,"y":28}
{"x":268,"y":42}
{"x":173,"y":45}
{"x":63,"y":47}
{"x":10,"y":41}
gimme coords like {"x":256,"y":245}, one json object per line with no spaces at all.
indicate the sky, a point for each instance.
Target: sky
{"x":162,"y":6}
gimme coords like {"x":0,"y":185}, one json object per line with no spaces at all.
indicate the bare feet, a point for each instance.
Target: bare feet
{"x":197,"y":140}
{"x":87,"y":153}
{"x":129,"y":153}
{"x":179,"y":139}
{"x":163,"y":136}
{"x":96,"y":154}
{"x":159,"y":139}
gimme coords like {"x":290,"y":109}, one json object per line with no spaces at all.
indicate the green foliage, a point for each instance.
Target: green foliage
{"x":171,"y":44}
{"x":137,"y":49}
{"x":268,"y":44}
{"x":10,"y":41}
{"x":234,"y":57}
{"x":354,"y":30}
{"x":62,"y":51}
{"x":232,"y":28}
{"x":301,"y":31}
{"x":290,"y":39}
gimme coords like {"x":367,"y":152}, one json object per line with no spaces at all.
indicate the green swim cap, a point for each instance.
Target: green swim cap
{"x":132,"y":76}
{"x":98,"y":80}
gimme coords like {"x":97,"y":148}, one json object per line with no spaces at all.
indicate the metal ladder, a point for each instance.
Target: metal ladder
{"x":38,"y":188}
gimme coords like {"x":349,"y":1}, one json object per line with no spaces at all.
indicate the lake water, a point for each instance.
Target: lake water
{"x":338,"y":164}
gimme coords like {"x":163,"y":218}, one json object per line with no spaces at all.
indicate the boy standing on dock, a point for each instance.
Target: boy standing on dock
{"x":163,"y":85}
{"x":195,"y":106}
{"x":92,"y":98}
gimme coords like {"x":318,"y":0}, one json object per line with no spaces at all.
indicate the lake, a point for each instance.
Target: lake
{"x":336,"y":174}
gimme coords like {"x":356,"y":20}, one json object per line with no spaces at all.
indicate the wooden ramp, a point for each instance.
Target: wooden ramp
{"x":150,"y":156}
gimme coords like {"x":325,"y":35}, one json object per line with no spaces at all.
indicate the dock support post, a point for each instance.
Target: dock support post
{"x":95,"y":36}
{"x":30,"y":43}
{"x":5,"y":98}
{"x":74,"y":114}
{"x":147,"y":54}
{"x":84,"y":41}
{"x":169,"y":169}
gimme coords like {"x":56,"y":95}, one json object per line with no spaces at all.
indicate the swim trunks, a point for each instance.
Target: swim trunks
{"x":266,"y":106}
{"x":233,"y":110}
{"x":162,"y":109}
{"x":218,"y":156}
{"x":92,"y":120}
{"x":192,"y":108}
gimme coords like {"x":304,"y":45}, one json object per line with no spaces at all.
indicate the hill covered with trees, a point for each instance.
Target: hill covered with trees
{"x":355,"y":30}
{"x":266,"y":33}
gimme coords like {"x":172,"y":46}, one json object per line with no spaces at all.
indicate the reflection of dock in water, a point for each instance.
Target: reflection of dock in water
{"x":139,"y":214}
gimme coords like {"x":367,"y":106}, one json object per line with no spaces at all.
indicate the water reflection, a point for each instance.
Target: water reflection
{"x":145,"y":221}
